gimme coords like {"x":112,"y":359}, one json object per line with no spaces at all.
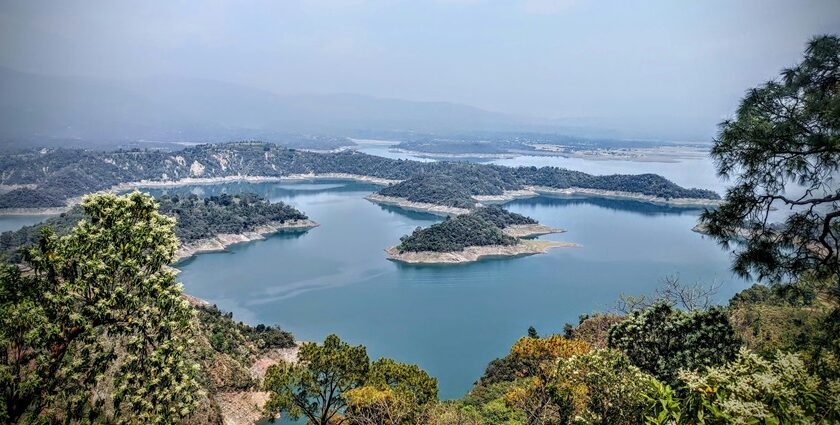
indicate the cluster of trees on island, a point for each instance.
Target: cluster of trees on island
{"x":95,"y":329}
{"x":481,"y":227}
{"x":196,"y":218}
{"x":49,"y":177}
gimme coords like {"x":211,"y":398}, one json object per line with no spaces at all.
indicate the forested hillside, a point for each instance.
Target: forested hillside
{"x":196,"y":218}
{"x":49,"y":177}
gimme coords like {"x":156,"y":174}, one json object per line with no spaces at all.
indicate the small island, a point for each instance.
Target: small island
{"x":485,"y":232}
{"x":202,"y":224}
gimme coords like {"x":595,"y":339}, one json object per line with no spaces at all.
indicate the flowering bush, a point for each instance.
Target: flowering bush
{"x":601,"y":387}
{"x":750,"y":389}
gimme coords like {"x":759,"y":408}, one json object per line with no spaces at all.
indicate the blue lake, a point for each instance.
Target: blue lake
{"x":451,"y":320}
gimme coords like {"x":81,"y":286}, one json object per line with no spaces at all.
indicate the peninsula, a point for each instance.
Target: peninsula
{"x":484,"y":232}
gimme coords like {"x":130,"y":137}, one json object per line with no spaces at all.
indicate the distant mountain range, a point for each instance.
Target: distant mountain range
{"x":40,"y":108}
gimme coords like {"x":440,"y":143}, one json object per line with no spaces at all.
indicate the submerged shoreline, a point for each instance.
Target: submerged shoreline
{"x":476,"y":253}
{"x":222,"y":241}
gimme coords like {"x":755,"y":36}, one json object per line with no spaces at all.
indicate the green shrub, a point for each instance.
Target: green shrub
{"x":660,"y":339}
{"x":602,"y":387}
{"x":748,"y":390}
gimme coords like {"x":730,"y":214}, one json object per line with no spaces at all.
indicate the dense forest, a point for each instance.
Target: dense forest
{"x":481,"y":227}
{"x":48,"y":177}
{"x":196,"y":218}
{"x":501,"y":217}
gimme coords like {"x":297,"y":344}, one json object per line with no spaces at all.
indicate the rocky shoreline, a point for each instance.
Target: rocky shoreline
{"x":246,"y":407}
{"x":416,"y":206}
{"x":476,"y":253}
{"x":222,"y":241}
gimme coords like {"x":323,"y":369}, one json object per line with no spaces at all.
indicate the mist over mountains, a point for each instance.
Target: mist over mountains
{"x":36,"y":108}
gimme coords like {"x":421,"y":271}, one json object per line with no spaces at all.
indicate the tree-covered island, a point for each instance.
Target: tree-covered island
{"x":483,"y":232}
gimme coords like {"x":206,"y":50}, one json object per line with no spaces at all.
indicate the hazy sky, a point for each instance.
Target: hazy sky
{"x":617,"y":59}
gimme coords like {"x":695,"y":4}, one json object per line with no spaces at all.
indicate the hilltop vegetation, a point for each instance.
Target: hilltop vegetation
{"x":196,"y":218}
{"x":48,"y":177}
{"x":501,"y":217}
{"x":482,"y":227}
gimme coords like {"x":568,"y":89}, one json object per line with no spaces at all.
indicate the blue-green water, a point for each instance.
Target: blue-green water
{"x":451,"y":320}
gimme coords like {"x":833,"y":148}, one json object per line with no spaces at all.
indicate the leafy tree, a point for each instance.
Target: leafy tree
{"x":452,"y":413}
{"x":784,"y":147}
{"x":750,"y":389}
{"x":335,"y":383}
{"x":316,"y":385}
{"x":394,"y":393}
{"x":601,"y":387}
{"x":592,"y":329}
{"x":532,"y":332}
{"x":660,"y":340}
{"x":534,"y":394}
{"x":98,"y":310}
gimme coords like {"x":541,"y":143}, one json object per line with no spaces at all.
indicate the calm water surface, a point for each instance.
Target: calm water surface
{"x":451,"y":320}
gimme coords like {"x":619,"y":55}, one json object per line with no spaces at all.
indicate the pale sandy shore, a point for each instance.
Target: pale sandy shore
{"x":475,"y":253}
{"x":530,"y":230}
{"x":506,"y":196}
{"x":222,"y":241}
{"x":416,"y":206}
